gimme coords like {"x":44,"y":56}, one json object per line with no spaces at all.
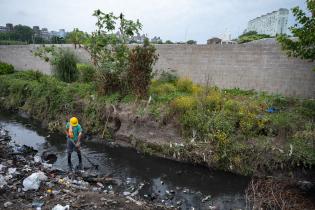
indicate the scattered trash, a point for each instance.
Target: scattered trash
{"x":37,"y":204}
{"x":60,"y":207}
{"x":46,"y":165}
{"x":12,"y":171}
{"x":206,"y":198}
{"x":126,"y":193}
{"x":33,"y":181}
{"x":7,"y":204}
{"x":37,"y":159}
{"x":2,"y":167}
{"x":272,"y":110}
{"x":2,"y":181}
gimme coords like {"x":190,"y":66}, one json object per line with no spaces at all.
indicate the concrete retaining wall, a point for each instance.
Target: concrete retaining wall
{"x":260,"y":67}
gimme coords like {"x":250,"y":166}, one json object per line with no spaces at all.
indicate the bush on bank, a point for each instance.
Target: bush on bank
{"x":6,"y":68}
{"x":240,"y":131}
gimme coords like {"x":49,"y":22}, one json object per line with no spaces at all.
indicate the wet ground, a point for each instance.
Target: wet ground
{"x":166,"y":182}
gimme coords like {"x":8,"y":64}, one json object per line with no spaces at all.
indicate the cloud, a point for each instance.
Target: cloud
{"x":177,"y":20}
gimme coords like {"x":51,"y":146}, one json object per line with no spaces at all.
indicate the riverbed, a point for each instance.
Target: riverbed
{"x":166,"y":182}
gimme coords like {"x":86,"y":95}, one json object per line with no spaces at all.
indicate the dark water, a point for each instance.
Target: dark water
{"x":190,"y":183}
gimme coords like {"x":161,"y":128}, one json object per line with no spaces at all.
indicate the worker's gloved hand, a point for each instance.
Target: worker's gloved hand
{"x":78,"y":145}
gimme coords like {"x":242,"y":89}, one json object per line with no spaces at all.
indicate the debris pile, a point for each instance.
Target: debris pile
{"x":28,"y":181}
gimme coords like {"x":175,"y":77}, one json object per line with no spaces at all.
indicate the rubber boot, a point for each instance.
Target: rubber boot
{"x":80,"y":160}
{"x":69,"y":162}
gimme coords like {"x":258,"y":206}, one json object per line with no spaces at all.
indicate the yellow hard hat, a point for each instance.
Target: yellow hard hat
{"x":74,"y":121}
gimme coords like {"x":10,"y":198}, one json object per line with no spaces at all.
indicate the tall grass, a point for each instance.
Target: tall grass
{"x":65,"y":66}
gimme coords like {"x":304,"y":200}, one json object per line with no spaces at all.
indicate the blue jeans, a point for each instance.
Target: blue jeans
{"x":70,"y":147}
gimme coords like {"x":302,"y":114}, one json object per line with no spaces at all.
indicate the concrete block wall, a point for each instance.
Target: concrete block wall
{"x":261,"y":67}
{"x":258,"y":67}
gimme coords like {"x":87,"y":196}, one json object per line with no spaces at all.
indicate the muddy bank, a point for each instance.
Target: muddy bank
{"x":78,"y":189}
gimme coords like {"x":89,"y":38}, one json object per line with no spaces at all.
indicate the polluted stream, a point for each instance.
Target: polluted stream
{"x":164,"y":181}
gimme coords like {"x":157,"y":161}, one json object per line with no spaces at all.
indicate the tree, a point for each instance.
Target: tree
{"x":76,"y":37}
{"x":109,"y":50}
{"x":251,"y":36}
{"x":57,"y":40}
{"x":191,"y":42}
{"x":140,"y":71}
{"x":22,"y":33}
{"x":168,"y":42}
{"x":304,"y":30}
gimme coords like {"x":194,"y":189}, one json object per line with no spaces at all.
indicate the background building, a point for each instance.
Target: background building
{"x":44,"y":33}
{"x":272,"y":23}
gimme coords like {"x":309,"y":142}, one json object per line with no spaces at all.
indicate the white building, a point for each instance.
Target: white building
{"x":272,"y":23}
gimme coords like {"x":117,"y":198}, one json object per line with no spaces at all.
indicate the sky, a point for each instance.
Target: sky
{"x":176,"y":20}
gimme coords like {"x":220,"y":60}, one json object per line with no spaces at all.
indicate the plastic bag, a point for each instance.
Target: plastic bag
{"x":2,"y":181}
{"x":33,"y":181}
{"x":60,"y":207}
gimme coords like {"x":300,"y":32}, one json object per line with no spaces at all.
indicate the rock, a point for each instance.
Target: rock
{"x":7,"y":204}
{"x":49,"y":157}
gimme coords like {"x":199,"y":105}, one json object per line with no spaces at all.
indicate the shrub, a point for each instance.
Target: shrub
{"x":231,"y":105}
{"x":308,"y":108}
{"x":213,"y":100}
{"x":87,"y":72}
{"x":142,"y":59}
{"x":302,"y":148}
{"x":197,"y":89}
{"x":6,"y":68}
{"x":163,"y":89}
{"x":29,"y":75}
{"x":65,"y":66}
{"x":168,"y":77}
{"x":184,"y":103}
{"x":239,"y":92}
{"x":184,"y":85}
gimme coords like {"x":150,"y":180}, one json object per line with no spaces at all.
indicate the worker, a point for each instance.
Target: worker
{"x":74,"y":135}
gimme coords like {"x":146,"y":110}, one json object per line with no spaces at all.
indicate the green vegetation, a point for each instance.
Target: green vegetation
{"x":76,"y":37}
{"x":232,"y":130}
{"x":191,"y":42}
{"x":87,"y":72}
{"x":6,"y":68}
{"x":251,"y":36}
{"x":140,"y":70}
{"x":304,"y":46}
{"x":64,"y":62}
{"x":12,"y":42}
{"x":235,"y":129}
{"x":18,"y":33}
{"x":65,"y":66}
